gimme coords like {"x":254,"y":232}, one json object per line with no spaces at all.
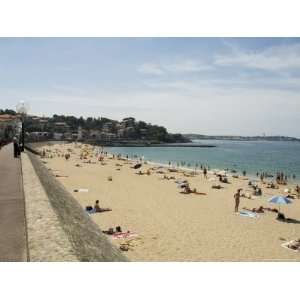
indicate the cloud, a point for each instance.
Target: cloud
{"x":188,"y":66}
{"x":182,"y":66}
{"x":151,"y":69}
{"x":277,"y":58}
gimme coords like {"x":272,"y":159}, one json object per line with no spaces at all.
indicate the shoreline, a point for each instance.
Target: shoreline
{"x":211,"y":171}
{"x":251,"y":176}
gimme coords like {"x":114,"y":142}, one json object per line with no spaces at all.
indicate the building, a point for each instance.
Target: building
{"x":10,"y":126}
{"x":95,"y":133}
{"x":61,"y":127}
{"x":107,"y":127}
{"x":79,"y":133}
{"x":38,"y":136}
{"x":58,"y":136}
{"x":107,"y":136}
{"x":128,"y":122}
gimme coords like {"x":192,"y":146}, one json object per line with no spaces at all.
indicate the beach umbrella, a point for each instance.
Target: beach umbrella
{"x":280,"y":200}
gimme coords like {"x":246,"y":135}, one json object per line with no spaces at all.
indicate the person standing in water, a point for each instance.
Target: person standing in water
{"x":237,"y":196}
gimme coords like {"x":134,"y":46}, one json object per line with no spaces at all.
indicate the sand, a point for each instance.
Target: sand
{"x":172,"y":226}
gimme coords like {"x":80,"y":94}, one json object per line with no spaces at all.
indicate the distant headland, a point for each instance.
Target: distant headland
{"x":193,"y":136}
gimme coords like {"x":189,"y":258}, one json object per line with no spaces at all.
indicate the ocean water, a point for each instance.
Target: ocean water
{"x":251,"y":156}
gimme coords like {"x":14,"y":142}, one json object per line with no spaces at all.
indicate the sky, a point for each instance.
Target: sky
{"x":235,"y":86}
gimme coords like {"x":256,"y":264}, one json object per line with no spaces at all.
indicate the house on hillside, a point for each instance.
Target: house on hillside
{"x":10,"y":126}
{"x":61,"y":127}
{"x":127,"y":122}
{"x":95,"y":133}
{"x":107,"y":127}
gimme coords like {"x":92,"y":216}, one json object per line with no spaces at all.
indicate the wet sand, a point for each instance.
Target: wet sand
{"x":172,"y":226}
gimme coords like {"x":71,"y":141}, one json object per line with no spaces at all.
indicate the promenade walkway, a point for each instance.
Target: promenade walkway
{"x":12,"y":211}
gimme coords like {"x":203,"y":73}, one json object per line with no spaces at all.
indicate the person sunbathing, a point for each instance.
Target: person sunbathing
{"x":271,"y":209}
{"x":258,"y":192}
{"x":272,"y":186}
{"x":99,"y":209}
{"x":160,"y":172}
{"x":223,"y":179}
{"x":216,"y":186}
{"x":136,"y":166}
{"x":140,"y":173}
{"x":194,"y":191}
{"x":256,"y":210}
{"x":295,"y":245}
{"x":246,"y":195}
{"x":188,"y":190}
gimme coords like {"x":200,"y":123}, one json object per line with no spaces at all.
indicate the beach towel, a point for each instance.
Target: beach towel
{"x":123,"y":235}
{"x":286,"y":246}
{"x":249,"y":214}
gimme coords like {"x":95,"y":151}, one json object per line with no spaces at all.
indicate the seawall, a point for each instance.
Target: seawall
{"x":71,"y":235}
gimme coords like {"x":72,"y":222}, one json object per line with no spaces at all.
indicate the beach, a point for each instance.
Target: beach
{"x":167,"y":225}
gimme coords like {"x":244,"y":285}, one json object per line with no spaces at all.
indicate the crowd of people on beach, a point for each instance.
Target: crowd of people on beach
{"x":89,"y":154}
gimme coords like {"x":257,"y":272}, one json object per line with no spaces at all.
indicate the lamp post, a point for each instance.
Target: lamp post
{"x":22,"y":109}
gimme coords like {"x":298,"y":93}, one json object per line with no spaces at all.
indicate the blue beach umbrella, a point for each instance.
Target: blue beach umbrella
{"x":280,"y":200}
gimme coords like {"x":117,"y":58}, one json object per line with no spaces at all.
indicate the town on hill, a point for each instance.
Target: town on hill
{"x":94,"y":130}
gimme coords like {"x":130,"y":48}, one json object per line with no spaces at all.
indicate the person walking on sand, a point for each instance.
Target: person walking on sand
{"x":237,"y":196}
{"x":205,"y":172}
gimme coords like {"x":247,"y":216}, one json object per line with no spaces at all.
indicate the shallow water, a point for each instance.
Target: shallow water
{"x":252,"y":156}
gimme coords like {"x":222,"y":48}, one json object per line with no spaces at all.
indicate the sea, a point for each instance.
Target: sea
{"x":236,"y":156}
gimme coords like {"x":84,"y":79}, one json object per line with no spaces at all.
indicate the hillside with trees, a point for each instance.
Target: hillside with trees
{"x":100,"y":128}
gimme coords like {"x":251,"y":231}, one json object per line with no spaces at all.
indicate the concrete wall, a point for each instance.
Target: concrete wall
{"x":86,"y":238}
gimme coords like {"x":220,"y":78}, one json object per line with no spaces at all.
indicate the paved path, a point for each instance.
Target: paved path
{"x":12,"y":211}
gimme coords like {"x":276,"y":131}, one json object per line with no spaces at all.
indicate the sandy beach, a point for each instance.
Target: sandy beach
{"x":168,"y":225}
